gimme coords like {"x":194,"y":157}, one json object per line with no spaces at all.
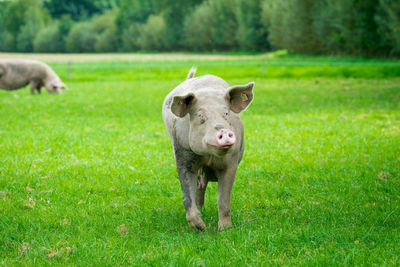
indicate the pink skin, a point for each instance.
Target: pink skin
{"x":225,"y":138}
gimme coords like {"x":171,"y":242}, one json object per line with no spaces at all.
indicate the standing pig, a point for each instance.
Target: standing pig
{"x":202,"y":117}
{"x":17,"y":73}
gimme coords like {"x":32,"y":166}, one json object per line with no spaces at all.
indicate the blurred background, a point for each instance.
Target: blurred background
{"x":338,"y":27}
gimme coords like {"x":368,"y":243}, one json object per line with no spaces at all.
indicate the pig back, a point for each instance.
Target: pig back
{"x":13,"y":76}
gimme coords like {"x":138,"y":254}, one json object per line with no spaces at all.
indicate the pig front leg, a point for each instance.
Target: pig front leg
{"x":35,"y":86}
{"x":188,"y":177}
{"x":190,"y":197}
{"x":225,"y":183}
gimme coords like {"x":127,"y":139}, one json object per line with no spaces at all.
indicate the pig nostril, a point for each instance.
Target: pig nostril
{"x":230,"y":135}
{"x":220,"y":136}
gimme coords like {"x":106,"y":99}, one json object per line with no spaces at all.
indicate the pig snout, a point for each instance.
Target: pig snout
{"x":225,"y":138}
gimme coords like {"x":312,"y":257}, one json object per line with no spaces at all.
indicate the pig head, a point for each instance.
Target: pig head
{"x":202,"y":117}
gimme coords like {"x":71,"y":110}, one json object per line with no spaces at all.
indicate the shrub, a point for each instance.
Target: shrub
{"x":290,"y":24}
{"x":65,"y":25}
{"x":152,"y":35}
{"x":81,"y":38}
{"x":198,"y":29}
{"x":225,"y":23}
{"x":107,"y":41}
{"x":212,"y":26}
{"x":388,"y":19}
{"x":48,"y":40}
{"x":133,"y":11}
{"x":99,"y":34}
{"x":7,"y":42}
{"x":332,"y":26}
{"x":349,"y":26}
{"x":23,"y":19}
{"x":33,"y":24}
{"x":251,"y":35}
{"x":130,"y":37}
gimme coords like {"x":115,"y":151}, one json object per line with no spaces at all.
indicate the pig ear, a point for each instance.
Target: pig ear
{"x":181,"y":104}
{"x":240,"y":96}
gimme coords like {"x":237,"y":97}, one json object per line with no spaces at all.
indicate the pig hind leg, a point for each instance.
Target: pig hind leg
{"x":206,"y":174}
{"x":201,"y":188}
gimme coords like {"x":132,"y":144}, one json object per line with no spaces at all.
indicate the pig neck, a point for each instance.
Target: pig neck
{"x":50,"y":76}
{"x":216,"y":163}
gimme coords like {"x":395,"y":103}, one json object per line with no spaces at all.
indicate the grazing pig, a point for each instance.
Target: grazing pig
{"x":202,"y":117}
{"x":17,"y":73}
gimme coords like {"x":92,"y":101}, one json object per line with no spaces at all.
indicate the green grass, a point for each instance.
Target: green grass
{"x":319,"y":183}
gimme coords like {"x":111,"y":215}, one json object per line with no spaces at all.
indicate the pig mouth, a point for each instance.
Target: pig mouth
{"x":224,"y":148}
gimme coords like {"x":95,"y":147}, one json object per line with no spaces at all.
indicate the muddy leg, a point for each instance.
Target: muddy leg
{"x":190,"y":191}
{"x":186,"y":164}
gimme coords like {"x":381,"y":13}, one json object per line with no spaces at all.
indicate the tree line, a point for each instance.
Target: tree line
{"x":355,"y":27}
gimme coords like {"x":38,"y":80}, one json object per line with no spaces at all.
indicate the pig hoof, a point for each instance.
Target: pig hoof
{"x":196,"y":223}
{"x":224,"y":225}
{"x":201,"y":227}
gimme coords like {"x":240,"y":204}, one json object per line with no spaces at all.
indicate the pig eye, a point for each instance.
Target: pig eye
{"x":226,"y":114}
{"x":202,"y":118}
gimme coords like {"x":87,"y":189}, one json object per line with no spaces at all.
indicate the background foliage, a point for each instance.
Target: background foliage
{"x":370,"y":27}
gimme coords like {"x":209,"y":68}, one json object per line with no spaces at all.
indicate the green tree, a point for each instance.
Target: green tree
{"x":79,"y":9}
{"x":106,"y":31}
{"x":388,"y":21}
{"x":107,"y":41}
{"x":48,"y":40}
{"x":133,"y":11}
{"x":225,"y":23}
{"x":174,"y":13}
{"x":65,"y":25}
{"x":14,"y":19}
{"x":290,"y":24}
{"x":81,"y":38}
{"x":22,"y":19}
{"x":198,"y":29}
{"x":53,"y":38}
{"x":130,"y":19}
{"x":130,"y":37}
{"x":98,"y":34}
{"x":35,"y":20}
{"x":14,"y":15}
{"x":251,"y":34}
{"x":3,"y":31}
{"x":153,"y":34}
{"x":212,"y":26}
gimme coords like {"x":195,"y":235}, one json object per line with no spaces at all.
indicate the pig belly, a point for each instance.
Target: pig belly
{"x":12,"y":85}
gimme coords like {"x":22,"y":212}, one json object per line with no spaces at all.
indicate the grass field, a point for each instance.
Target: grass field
{"x":88,"y":177}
